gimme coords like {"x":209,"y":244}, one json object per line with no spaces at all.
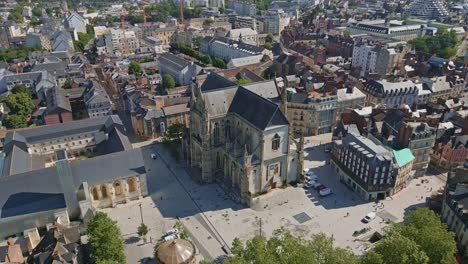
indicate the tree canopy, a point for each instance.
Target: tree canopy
{"x":15,"y":121}
{"x":174,"y":132}
{"x":219,"y":63}
{"x":168,"y":82}
{"x":13,"y":53}
{"x":421,"y":238}
{"x":268,"y":45}
{"x":442,"y":44}
{"x":269,"y":38}
{"x":20,"y":88}
{"x":135,"y":68}
{"x":105,"y":240}
{"x":284,"y":248}
{"x":20,"y":103}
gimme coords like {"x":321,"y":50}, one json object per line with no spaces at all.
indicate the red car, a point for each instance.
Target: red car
{"x":320,"y":187}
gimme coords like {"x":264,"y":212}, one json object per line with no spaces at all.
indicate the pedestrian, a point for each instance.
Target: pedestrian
{"x":421,"y":197}
{"x":347,"y":214}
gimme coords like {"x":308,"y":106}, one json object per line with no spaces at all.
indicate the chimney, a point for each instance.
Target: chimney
{"x":350,"y":89}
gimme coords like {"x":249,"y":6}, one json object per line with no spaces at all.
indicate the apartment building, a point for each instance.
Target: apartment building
{"x":418,"y":137}
{"x":427,"y":9}
{"x":391,"y":94}
{"x":312,"y":113}
{"x":444,"y":87}
{"x":276,"y":20}
{"x":243,"y":8}
{"x":389,"y":30}
{"x":364,"y":165}
{"x":227,"y":49}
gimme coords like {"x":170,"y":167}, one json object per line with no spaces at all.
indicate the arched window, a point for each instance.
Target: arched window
{"x":248,"y":140}
{"x":216,"y":133}
{"x":118,"y":188}
{"x":95,"y":194}
{"x":275,"y":142}
{"x":218,"y":161}
{"x":104,"y":191}
{"x":227,"y":130}
{"x":131,"y":185}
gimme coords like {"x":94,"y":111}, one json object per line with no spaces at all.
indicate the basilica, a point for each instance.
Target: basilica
{"x":239,"y":137}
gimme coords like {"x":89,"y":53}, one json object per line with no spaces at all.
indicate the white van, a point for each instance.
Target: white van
{"x":369,"y":217}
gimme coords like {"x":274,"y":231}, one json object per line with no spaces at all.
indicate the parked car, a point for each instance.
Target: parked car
{"x":321,"y":187}
{"x":173,"y":231}
{"x":312,"y":177}
{"x":369,"y":217}
{"x":309,"y":185}
{"x":169,"y":237}
{"x":325,"y":192}
{"x":153,"y":156}
{"x":317,"y":185}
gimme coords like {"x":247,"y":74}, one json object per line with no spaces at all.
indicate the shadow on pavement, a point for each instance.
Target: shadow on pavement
{"x":342,"y":195}
{"x":131,"y":240}
{"x":173,"y":191}
{"x":413,"y":207}
{"x":147,"y":261}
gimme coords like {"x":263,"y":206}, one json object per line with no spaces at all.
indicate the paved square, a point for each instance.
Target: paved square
{"x":302,"y":218}
{"x":214,"y":220}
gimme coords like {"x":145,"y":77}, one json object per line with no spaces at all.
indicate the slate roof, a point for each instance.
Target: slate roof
{"x":383,"y":88}
{"x":175,"y":109}
{"x":215,"y":81}
{"x":256,"y":110}
{"x":57,"y":101}
{"x":173,"y":61}
{"x":234,"y":44}
{"x":18,"y":160}
{"x":41,"y":190}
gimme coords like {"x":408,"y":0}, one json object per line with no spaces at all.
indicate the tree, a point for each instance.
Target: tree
{"x":142,"y":231}
{"x":269,"y":38}
{"x":174,"y":132}
{"x":219,"y":63}
{"x":346,"y":33}
{"x":20,"y":103}
{"x":105,"y":241}
{"x":285,"y":248}
{"x":15,"y":121}
{"x":208,"y":21}
{"x":424,"y":227}
{"x":204,"y":58}
{"x":168,"y":82}
{"x":20,"y":88}
{"x":372,"y":258}
{"x":183,"y":232}
{"x":397,"y":249}
{"x":268,"y":46}
{"x":135,"y":68}
{"x":67,"y":84}
{"x":37,"y":12}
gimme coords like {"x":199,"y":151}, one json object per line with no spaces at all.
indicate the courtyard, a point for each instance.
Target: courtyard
{"x":214,"y":220}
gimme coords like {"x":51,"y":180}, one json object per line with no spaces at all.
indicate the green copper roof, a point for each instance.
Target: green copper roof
{"x":403,"y":156}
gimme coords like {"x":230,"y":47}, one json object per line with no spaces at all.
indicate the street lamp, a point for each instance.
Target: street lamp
{"x":141,"y":213}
